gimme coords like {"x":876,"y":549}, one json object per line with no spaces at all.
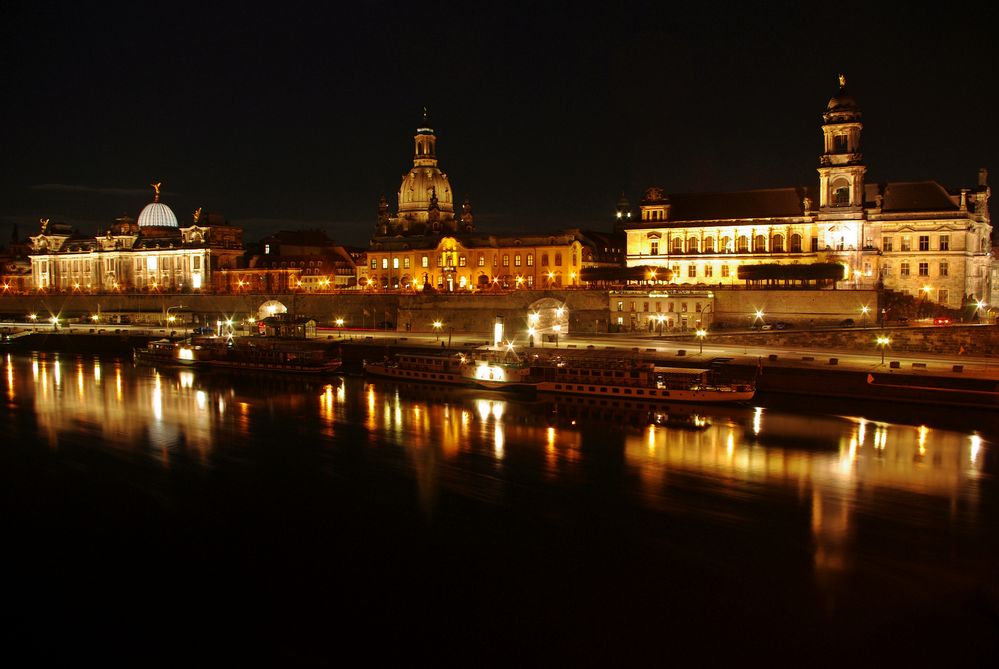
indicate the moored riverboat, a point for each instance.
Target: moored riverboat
{"x":173,"y":353}
{"x":269,"y":355}
{"x":645,"y":381}
{"x":493,"y":370}
{"x":426,"y":367}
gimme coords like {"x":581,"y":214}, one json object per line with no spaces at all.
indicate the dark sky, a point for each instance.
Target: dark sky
{"x":296,"y":116}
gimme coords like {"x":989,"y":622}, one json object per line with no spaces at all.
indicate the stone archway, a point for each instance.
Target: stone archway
{"x":270,"y":308}
{"x":549,"y":318}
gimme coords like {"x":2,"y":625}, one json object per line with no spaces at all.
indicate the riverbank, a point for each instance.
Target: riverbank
{"x":774,"y":374}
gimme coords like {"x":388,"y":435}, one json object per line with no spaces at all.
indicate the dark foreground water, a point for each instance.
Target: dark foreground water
{"x":180,"y":517}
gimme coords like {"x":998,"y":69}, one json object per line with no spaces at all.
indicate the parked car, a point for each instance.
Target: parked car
{"x":903,"y":321}
{"x":847,"y":322}
{"x":781,"y":325}
{"x":767,"y":326}
{"x":941,"y":320}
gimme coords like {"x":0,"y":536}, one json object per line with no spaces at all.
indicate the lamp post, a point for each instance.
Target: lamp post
{"x":558,"y":329}
{"x":701,"y":334}
{"x":339,"y":325}
{"x":662,"y":321}
{"x":437,"y":328}
{"x":864,"y":310}
{"x":883,"y":341}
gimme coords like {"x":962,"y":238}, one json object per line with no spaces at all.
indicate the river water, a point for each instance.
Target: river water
{"x":177,"y":515}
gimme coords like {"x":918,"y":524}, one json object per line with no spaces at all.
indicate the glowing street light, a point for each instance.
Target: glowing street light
{"x":558,"y":329}
{"x":701,"y":334}
{"x":437,"y":326}
{"x":339,"y":324}
{"x":883,"y":342}
{"x":864,"y":310}
{"x":32,"y":317}
{"x":530,"y":334}
{"x":661,"y":318}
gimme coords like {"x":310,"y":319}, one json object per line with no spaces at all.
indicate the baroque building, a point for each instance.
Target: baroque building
{"x":149,"y":254}
{"x":426,"y":244}
{"x":912,"y":237}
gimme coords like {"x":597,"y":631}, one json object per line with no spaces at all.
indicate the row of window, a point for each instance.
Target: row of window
{"x":922,"y":269}
{"x":670,"y":306}
{"x":905,"y":243}
{"x":694,"y":244}
{"x":451,"y":259}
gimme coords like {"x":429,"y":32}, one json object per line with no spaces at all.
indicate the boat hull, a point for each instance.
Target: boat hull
{"x":697,"y":395}
{"x":388,"y":371}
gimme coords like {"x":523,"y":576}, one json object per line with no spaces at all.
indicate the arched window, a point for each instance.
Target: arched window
{"x":777,"y":244}
{"x":841,"y":193}
{"x":677,"y":245}
{"x":726,"y":245}
{"x":796,"y":243}
{"x":692,"y":245}
{"x":709,"y":244}
{"x":743,"y":244}
{"x":760,"y":244}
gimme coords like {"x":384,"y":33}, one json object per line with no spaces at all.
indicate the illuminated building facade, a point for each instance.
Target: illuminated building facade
{"x":425,"y":244}
{"x":912,"y":237}
{"x":150,"y":254}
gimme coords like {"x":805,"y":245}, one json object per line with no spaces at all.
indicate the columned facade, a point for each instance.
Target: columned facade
{"x":913,"y":237}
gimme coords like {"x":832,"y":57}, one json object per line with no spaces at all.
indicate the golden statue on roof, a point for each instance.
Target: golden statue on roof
{"x":842,"y":81}
{"x":156,"y":188}
{"x":197,"y":214}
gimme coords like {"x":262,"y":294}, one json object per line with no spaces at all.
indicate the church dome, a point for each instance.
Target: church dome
{"x":156,"y":214}
{"x":419,"y":186}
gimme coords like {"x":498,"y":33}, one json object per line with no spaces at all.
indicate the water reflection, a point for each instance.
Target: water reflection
{"x":477,"y":443}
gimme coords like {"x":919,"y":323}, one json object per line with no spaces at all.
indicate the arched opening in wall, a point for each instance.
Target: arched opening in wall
{"x":270,"y":308}
{"x":795,"y":243}
{"x":777,"y":244}
{"x":547,"y":319}
{"x":743,"y":244}
{"x":841,"y":193}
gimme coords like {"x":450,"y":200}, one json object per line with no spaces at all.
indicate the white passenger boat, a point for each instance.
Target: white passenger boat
{"x":636,"y":380}
{"x":431,"y":368}
{"x":482,"y":369}
{"x":497,"y":372}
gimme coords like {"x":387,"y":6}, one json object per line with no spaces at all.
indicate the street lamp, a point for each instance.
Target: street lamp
{"x":759,"y":317}
{"x":864,"y":310}
{"x":979,"y":308}
{"x":437,"y":327}
{"x":701,"y":334}
{"x":662,"y":320}
{"x":558,"y":329}
{"x":883,"y":341}
{"x":339,"y":324}
{"x":530,"y":333}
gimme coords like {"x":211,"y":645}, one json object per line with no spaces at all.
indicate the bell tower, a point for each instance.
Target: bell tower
{"x":426,"y":143}
{"x":841,"y":166}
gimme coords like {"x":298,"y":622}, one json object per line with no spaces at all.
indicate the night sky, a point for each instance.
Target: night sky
{"x":292,"y":116}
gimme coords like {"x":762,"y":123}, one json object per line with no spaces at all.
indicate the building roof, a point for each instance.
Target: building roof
{"x":900,"y":196}
{"x":769,"y":203}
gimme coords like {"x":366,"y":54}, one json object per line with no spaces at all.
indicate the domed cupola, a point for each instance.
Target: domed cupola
{"x":842,"y":106}
{"x":156,"y":214}
{"x":425,"y":180}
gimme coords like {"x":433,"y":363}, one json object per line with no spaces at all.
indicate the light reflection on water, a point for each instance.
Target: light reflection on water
{"x":465,"y":441}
